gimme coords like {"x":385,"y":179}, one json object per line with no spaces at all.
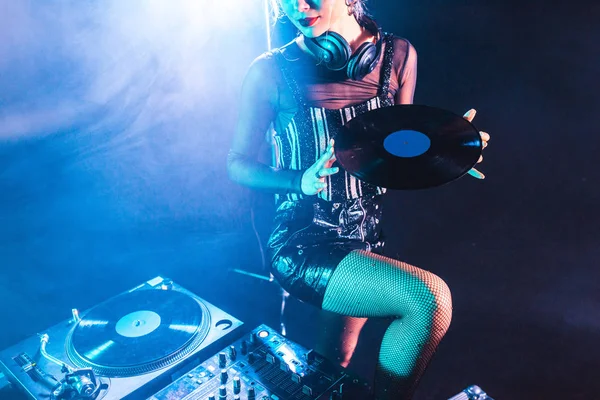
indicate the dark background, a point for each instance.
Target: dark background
{"x":114,"y":129}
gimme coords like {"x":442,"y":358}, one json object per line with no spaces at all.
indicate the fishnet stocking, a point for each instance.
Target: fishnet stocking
{"x":338,"y":336}
{"x":369,"y":285}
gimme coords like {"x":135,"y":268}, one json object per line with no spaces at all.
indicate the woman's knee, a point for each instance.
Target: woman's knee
{"x":423,"y":296}
{"x":438,"y":310}
{"x":444,"y":302}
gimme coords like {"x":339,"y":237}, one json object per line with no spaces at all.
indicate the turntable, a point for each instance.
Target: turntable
{"x":127,"y":347}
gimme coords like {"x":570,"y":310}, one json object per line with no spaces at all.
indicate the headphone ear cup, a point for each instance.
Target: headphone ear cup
{"x":363,"y":61}
{"x":331,"y":49}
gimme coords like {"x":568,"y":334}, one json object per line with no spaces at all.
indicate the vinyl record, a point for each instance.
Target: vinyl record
{"x":138,"y":332}
{"x":408,"y":147}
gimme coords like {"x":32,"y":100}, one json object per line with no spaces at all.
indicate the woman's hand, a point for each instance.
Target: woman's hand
{"x":484,"y":137}
{"x":313,"y":179}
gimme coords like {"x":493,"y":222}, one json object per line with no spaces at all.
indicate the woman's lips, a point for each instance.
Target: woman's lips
{"x":308,"y":22}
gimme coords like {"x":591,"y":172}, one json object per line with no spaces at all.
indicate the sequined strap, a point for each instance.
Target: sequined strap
{"x":289,"y":79}
{"x":386,"y":68}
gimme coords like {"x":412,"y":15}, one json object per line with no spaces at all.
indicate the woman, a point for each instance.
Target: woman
{"x":326,"y":245}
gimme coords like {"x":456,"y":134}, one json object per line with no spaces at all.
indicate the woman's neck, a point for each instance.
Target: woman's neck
{"x":351,"y":30}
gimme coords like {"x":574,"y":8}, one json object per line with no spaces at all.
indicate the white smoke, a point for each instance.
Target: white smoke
{"x":151,"y":61}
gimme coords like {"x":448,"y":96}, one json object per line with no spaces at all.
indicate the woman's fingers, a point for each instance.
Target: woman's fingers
{"x":322,"y":168}
{"x":323,"y":172}
{"x":332,"y":158}
{"x":469,"y":115}
{"x":327,"y":159}
{"x":474,"y":173}
{"x":330,"y":162}
{"x":324,"y":158}
{"x":320,"y":186}
{"x":485,"y":137}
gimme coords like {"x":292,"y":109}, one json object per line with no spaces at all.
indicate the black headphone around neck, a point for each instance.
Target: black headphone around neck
{"x":335,"y":53}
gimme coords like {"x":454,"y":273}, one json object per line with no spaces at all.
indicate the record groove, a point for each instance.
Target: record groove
{"x":138,"y":332}
{"x":408,"y":147}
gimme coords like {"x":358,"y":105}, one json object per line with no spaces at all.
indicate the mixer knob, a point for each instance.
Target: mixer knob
{"x":232,"y":353}
{"x":335,"y":395}
{"x":284,"y":366}
{"x":251,"y":394}
{"x":224,"y":376}
{"x":296,"y":378}
{"x":251,"y":358}
{"x":237,"y":385}
{"x":307,"y":390}
{"x":222,"y":392}
{"x":222,"y":360}
{"x":310,"y":356}
{"x":244,"y":347}
{"x":253,"y":339}
{"x":212,"y":397}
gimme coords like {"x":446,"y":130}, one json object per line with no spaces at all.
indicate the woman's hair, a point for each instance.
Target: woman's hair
{"x":357,"y":8}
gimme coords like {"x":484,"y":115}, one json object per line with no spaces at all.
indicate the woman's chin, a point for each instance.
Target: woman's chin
{"x":311,"y":32}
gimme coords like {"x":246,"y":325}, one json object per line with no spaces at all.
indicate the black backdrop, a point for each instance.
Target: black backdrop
{"x":87,"y":211}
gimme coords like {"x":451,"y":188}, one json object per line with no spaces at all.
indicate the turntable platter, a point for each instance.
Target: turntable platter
{"x":138,"y":332}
